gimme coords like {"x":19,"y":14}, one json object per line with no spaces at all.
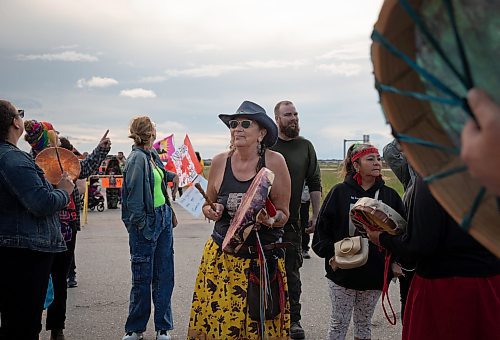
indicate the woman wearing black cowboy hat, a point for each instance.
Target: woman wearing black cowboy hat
{"x":220,"y":309}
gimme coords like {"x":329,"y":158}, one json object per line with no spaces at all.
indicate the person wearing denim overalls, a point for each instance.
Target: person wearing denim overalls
{"x":147,"y":215}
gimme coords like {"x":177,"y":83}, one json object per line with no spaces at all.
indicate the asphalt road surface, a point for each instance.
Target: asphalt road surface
{"x":97,"y":308}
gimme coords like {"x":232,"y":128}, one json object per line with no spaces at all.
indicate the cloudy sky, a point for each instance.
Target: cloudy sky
{"x":91,"y":65}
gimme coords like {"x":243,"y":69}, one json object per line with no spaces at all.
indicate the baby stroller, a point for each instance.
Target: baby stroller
{"x":96,"y":199}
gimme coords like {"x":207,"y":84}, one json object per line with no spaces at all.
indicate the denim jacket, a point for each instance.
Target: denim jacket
{"x":29,"y":205}
{"x":138,"y":188}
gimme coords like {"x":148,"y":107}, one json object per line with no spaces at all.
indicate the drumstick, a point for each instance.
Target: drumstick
{"x":105,"y":134}
{"x":202,"y":192}
{"x":59,"y":161}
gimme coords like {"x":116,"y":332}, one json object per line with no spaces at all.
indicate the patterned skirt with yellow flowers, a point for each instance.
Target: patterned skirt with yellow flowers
{"x":219,"y":309}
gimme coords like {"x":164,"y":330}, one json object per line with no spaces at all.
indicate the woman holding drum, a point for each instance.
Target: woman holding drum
{"x":30,"y":235}
{"x":54,"y":160}
{"x":220,"y":308}
{"x":356,"y":289}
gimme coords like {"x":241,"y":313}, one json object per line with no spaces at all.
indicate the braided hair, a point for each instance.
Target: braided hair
{"x":261,"y":151}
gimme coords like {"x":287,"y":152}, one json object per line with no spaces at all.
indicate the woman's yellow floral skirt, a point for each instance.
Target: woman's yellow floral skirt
{"x":219,"y":307}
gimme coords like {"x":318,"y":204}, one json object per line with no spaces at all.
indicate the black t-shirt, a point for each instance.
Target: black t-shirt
{"x":230,"y":195}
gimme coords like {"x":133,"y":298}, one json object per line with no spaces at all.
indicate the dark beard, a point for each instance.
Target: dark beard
{"x":290,"y":132}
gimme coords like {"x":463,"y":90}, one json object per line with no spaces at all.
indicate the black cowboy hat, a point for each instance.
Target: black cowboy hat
{"x":256,"y":113}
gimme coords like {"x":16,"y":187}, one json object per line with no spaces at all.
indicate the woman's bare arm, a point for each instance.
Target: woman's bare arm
{"x":213,"y":186}
{"x":280,"y":191}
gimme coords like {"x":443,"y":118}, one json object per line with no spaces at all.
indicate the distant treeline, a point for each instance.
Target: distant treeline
{"x":323,"y":163}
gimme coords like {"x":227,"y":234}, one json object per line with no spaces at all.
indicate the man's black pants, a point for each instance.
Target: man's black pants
{"x":293,"y":263}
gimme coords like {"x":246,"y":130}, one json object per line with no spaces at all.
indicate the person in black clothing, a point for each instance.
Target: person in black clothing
{"x":406,"y":175}
{"x":359,"y":288}
{"x":454,"y":293}
{"x":303,"y":166}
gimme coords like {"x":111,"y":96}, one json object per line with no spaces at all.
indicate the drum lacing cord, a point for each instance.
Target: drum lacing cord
{"x":465,"y":80}
{"x":453,"y":98}
{"x":385,"y":289}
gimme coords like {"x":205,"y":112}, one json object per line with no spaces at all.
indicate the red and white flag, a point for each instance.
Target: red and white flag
{"x":186,"y":163}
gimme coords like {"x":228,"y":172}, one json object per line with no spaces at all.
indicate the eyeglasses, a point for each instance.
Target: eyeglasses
{"x":233,"y":124}
{"x":20,"y":113}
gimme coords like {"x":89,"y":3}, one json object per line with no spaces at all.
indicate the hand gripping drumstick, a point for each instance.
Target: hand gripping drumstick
{"x":202,"y":192}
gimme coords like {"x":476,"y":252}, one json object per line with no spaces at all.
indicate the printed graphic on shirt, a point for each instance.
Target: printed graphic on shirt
{"x":67,"y":216}
{"x":233,"y":202}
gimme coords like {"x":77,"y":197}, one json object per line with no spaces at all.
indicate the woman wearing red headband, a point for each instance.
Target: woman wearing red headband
{"x":358,"y":288}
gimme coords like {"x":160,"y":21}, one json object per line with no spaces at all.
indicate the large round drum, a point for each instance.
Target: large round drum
{"x":244,"y":219}
{"x":426,"y":55}
{"x":52,"y":159}
{"x":376,"y":215}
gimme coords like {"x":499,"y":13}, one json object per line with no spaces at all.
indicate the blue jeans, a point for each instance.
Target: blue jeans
{"x":152,"y":267}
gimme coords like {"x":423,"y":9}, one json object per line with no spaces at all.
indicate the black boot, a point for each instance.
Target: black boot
{"x":57,"y":334}
{"x":296,"y":331}
{"x":72,"y":282}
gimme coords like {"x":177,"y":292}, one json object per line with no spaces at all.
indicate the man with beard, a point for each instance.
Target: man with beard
{"x":303,"y":166}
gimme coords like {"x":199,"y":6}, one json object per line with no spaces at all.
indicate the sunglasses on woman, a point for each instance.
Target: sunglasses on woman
{"x":233,"y":124}
{"x":20,"y":113}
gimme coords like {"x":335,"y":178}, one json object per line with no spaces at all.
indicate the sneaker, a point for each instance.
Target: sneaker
{"x":296,"y":331}
{"x":72,"y":282}
{"x":57,"y":334}
{"x":133,"y":336}
{"x":163,"y":335}
{"x":305,"y":254}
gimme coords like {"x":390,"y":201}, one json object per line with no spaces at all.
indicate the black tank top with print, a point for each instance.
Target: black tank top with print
{"x":230,"y":196}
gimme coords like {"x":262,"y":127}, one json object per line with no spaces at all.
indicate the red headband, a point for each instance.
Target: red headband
{"x":364,"y":153}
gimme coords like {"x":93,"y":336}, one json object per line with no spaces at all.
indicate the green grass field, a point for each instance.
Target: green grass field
{"x":330,"y":177}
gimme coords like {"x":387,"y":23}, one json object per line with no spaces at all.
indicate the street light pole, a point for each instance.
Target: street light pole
{"x":350,"y":140}
{"x":366,"y":139}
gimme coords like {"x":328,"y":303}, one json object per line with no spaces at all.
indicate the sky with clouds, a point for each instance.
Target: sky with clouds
{"x":91,"y":65}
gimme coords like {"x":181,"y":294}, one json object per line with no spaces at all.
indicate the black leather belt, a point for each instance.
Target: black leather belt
{"x":271,"y":246}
